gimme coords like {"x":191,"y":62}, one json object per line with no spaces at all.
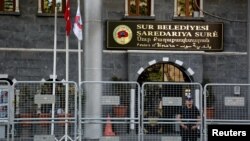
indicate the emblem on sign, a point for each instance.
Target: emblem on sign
{"x":122,"y":34}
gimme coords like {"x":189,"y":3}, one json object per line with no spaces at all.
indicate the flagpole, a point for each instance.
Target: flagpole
{"x":54,"y":71}
{"x":67,"y":86}
{"x":78,"y":32}
{"x":79,"y":63}
{"x":79,"y":58}
{"x":79,"y":81}
{"x":67,"y":79}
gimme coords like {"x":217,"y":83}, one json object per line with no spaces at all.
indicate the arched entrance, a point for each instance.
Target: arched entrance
{"x":164,"y":72}
{"x":153,"y":108}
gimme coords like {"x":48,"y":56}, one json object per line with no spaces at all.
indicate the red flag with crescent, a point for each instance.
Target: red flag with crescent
{"x":67,"y":18}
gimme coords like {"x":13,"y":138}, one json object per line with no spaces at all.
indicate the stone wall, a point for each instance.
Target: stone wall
{"x":20,"y":33}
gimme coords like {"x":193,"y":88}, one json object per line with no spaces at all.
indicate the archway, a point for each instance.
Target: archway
{"x":164,"y":72}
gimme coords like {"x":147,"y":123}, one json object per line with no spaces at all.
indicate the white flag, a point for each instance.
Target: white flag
{"x":78,"y":24}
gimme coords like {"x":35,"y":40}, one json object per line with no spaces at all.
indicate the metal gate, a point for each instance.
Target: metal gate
{"x":226,"y":104}
{"x":44,"y":111}
{"x":109,"y":111}
{"x":161,"y":103}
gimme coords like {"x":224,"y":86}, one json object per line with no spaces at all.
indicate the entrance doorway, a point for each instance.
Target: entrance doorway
{"x":164,"y":72}
{"x":153,"y":97}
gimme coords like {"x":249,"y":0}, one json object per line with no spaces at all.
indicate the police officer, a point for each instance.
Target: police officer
{"x":189,"y":124}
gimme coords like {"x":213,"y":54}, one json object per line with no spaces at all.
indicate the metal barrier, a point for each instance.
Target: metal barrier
{"x":109,"y":111}
{"x":45,"y":111}
{"x":114,"y":110}
{"x":161,"y":104}
{"x":226,"y":104}
{"x":5,"y":110}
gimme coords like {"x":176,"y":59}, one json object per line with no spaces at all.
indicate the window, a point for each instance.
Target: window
{"x":139,"y":8}
{"x":48,"y":6}
{"x":9,"y":6}
{"x":188,"y":8}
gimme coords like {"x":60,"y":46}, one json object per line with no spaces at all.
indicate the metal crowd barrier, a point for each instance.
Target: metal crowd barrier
{"x":5,"y":110}
{"x":115,"y":110}
{"x":44,"y":111}
{"x":110,"y":110}
{"x":226,"y":104}
{"x":162,"y":102}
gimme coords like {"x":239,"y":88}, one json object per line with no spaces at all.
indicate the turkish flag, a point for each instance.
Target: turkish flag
{"x":67,"y":18}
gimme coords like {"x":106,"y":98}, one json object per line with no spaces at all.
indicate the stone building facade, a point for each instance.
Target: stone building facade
{"x":27,"y":40}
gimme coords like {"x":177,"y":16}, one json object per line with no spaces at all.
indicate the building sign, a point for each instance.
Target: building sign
{"x":196,"y":36}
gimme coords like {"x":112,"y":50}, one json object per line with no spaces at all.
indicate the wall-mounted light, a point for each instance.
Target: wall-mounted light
{"x":237,"y":90}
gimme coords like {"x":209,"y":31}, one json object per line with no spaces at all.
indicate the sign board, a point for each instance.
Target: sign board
{"x":44,"y":138}
{"x":44,"y":99}
{"x":182,"y":36}
{"x":110,"y":100}
{"x":234,"y":101}
{"x":171,"y":101}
